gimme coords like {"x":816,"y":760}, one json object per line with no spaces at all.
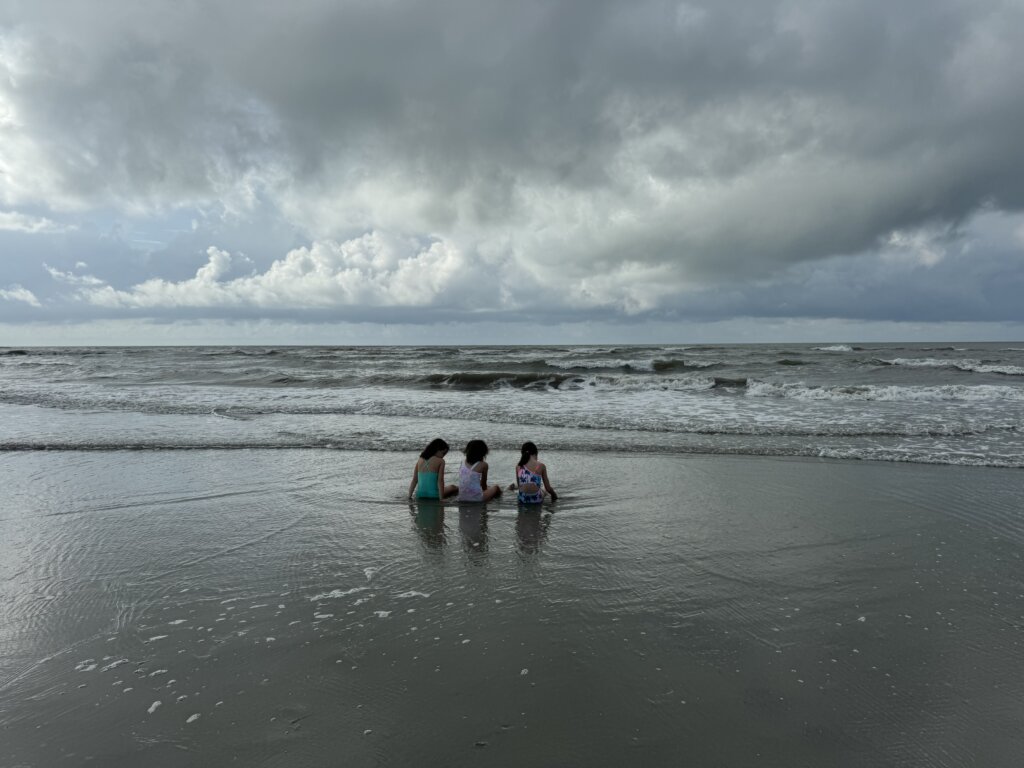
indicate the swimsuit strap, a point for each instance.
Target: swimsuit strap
{"x":530,"y":475}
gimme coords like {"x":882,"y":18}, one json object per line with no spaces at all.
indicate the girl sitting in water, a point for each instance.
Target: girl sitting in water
{"x":473,"y":474}
{"x":532,"y":477}
{"x":428,"y":474}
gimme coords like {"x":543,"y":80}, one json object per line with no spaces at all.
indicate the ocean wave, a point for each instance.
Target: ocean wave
{"x":481,"y":380}
{"x":171,"y":445}
{"x":617,"y":379}
{"x":632,"y":384}
{"x":892,"y":393}
{"x":530,"y":374}
{"x":668,"y":365}
{"x":834,"y":348}
{"x":608,"y":365}
{"x":651,"y":365}
{"x":724,"y":382}
{"x":919,"y":457}
{"x":970,"y":366}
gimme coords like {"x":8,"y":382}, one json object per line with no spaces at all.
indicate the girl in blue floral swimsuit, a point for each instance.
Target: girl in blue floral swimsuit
{"x":532,"y":477}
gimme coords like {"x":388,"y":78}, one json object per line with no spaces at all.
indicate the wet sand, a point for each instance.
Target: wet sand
{"x":292,"y":608}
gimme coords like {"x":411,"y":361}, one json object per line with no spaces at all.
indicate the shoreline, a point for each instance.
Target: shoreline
{"x":30,"y":447}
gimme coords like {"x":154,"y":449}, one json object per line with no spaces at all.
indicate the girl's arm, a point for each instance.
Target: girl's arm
{"x":440,"y":480}
{"x":547,"y":483}
{"x":415,"y":478}
{"x":483,"y":475}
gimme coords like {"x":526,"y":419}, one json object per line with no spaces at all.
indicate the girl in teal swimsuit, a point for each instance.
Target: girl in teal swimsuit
{"x":532,"y":477}
{"x":428,"y":474}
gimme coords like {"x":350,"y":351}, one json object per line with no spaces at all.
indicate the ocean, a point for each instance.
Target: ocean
{"x":796,"y":555}
{"x":931,"y":403}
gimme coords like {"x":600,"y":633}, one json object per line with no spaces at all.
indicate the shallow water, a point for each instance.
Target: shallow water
{"x":291,"y":608}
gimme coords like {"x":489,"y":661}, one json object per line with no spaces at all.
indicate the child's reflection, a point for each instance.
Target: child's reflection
{"x":429,"y":519}
{"x":531,"y":528}
{"x":473,"y":527}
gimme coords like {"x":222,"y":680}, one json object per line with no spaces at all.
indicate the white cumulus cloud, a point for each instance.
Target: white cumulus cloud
{"x":374,"y":270}
{"x":17,"y":293}
{"x":12,"y":221}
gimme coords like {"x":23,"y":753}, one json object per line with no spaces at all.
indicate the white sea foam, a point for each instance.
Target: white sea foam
{"x":153,"y":707}
{"x":1008,"y":370}
{"x":636,"y":365}
{"x":893,"y":393}
{"x":835,"y":348}
{"x":413,"y":593}
{"x":692,"y":383}
{"x":336,"y":593}
{"x":973,"y":366}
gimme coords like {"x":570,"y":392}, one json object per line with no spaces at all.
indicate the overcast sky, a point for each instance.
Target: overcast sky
{"x":339,"y":171}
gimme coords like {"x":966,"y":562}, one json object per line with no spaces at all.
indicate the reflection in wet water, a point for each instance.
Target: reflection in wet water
{"x":473,"y":527}
{"x":531,"y":528}
{"x":428,"y":516}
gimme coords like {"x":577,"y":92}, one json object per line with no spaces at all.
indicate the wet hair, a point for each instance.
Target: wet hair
{"x":528,"y":450}
{"x":435,"y":445}
{"x":475,"y":451}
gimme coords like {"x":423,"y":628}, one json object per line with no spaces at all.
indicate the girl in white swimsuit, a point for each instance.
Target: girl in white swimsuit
{"x":473,"y":474}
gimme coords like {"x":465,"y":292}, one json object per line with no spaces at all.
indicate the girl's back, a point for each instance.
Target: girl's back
{"x":426,"y":469}
{"x":470,"y":487}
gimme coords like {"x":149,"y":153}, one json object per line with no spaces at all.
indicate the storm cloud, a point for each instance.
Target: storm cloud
{"x":565,"y":159}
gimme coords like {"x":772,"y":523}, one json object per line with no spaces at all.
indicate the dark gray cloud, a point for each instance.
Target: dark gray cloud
{"x":592,"y":158}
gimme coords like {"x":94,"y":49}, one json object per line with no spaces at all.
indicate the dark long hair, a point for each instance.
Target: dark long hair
{"x":528,"y":450}
{"x":435,"y":445}
{"x":475,"y":451}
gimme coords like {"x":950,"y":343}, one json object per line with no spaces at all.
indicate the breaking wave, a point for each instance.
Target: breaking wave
{"x":970,"y":366}
{"x":892,"y":393}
